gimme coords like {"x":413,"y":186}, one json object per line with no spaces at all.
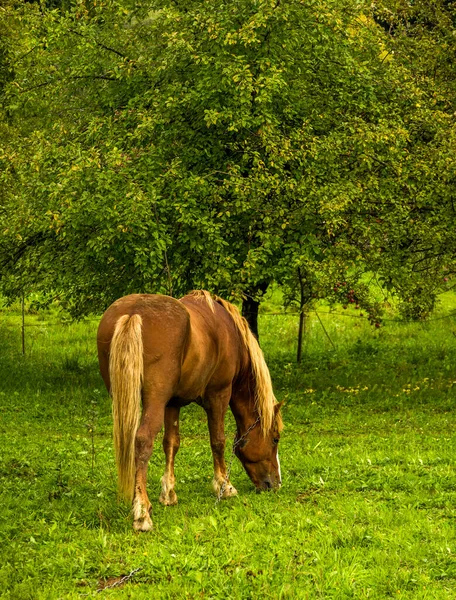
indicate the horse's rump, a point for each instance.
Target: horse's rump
{"x":141,"y":344}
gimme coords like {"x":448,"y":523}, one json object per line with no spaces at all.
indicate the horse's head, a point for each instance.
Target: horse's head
{"x":259,"y":454}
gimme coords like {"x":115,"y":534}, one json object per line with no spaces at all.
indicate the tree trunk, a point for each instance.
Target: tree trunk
{"x":250,"y":313}
{"x":23,"y":323}
{"x":250,"y":308}
{"x":302,"y":328}
{"x":302,"y":315}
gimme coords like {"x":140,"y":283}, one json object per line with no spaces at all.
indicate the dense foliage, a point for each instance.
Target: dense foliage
{"x":173,"y":145}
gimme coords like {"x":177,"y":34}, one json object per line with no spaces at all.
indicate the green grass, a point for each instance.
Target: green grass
{"x":368,"y":503}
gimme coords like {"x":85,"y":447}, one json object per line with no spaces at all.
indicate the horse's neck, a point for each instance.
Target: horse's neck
{"x":243,"y":405}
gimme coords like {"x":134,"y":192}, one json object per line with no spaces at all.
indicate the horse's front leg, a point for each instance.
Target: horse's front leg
{"x":151,"y":423}
{"x":171,"y":443}
{"x":216,"y":404}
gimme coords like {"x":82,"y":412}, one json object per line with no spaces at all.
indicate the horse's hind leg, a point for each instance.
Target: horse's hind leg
{"x":216,"y":404}
{"x":171,"y":443}
{"x":151,"y":423}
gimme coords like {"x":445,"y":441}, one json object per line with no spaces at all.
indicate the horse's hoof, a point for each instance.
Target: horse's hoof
{"x":168,"y":498}
{"x":144,"y":524}
{"x":141,"y":516}
{"x":229,"y":491}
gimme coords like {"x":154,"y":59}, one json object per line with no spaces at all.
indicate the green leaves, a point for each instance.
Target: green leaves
{"x":222,"y":147}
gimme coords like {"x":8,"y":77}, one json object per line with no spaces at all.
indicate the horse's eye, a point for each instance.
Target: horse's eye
{"x":275,"y":441}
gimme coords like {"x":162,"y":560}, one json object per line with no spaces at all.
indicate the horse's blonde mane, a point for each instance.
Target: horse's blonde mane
{"x":204,"y":295}
{"x":265,"y":400}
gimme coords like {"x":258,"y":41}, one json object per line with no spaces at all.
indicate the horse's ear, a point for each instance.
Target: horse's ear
{"x":278,"y":416}
{"x":277,"y":407}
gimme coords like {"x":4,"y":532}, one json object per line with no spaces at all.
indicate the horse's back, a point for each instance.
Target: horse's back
{"x":214,"y":353}
{"x":190,"y":345}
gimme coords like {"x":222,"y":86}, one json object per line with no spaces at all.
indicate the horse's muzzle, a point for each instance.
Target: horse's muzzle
{"x":268,"y":484}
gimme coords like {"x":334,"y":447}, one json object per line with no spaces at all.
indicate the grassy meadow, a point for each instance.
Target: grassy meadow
{"x":368,"y":503}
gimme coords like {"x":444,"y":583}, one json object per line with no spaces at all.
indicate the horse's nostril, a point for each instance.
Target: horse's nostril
{"x":267,"y":484}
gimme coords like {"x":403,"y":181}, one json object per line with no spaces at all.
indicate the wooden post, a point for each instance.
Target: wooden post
{"x":23,"y":324}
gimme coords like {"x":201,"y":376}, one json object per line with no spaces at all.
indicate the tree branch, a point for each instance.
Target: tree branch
{"x":50,"y":82}
{"x":108,"y":48}
{"x":31,"y":242}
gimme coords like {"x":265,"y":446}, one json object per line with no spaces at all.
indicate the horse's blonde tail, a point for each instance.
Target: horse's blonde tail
{"x":126,"y":374}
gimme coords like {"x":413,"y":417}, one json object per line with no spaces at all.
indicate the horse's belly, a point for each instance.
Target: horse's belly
{"x":190,"y":389}
{"x":179,"y":402}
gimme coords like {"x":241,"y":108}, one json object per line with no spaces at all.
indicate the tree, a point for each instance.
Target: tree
{"x":184,"y":145}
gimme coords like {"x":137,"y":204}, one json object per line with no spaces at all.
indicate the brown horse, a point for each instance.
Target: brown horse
{"x":166,"y":353}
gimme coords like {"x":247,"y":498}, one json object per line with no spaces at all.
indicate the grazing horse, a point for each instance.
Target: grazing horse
{"x":164,"y":353}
